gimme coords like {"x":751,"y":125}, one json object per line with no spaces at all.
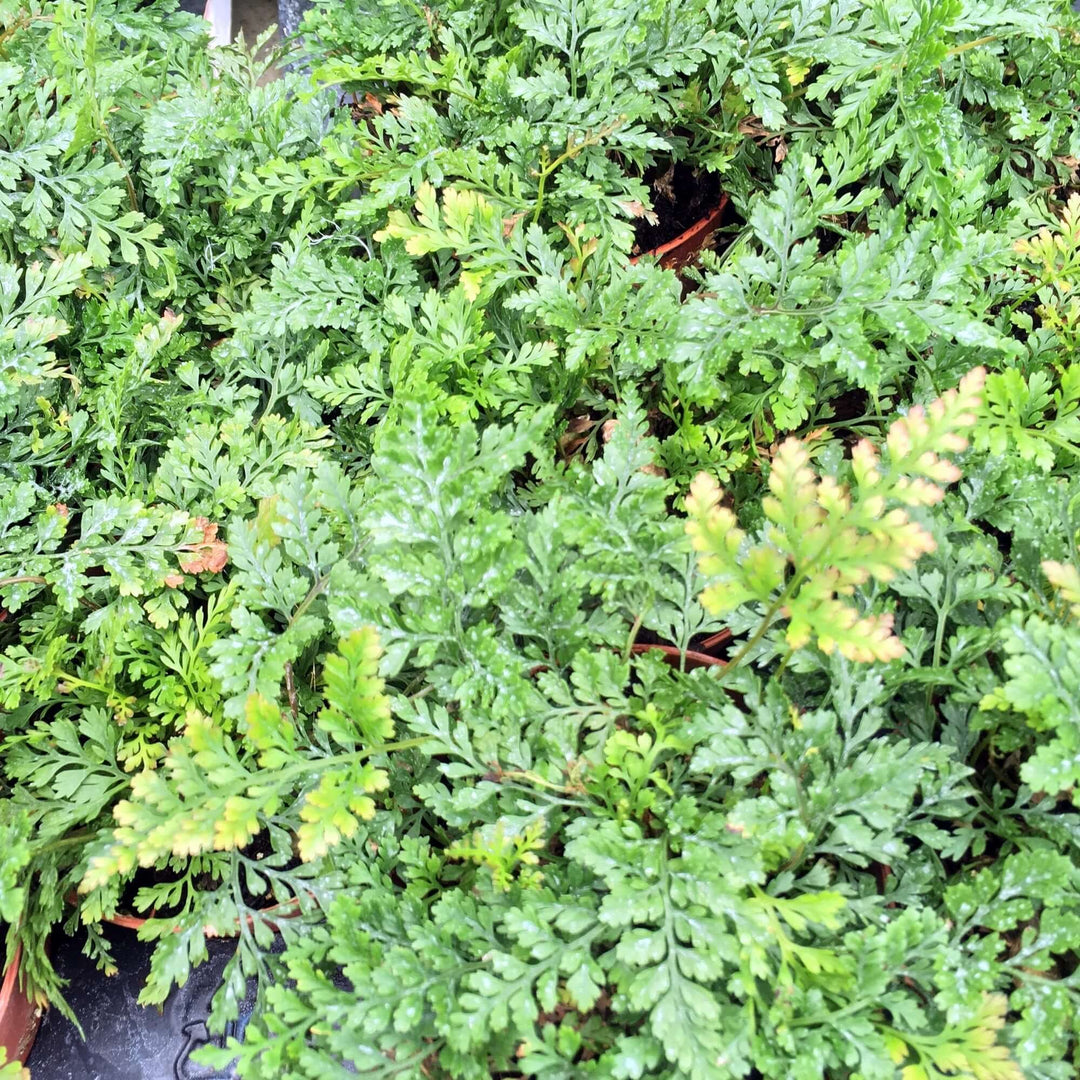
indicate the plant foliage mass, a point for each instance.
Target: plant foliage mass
{"x":545,"y":657}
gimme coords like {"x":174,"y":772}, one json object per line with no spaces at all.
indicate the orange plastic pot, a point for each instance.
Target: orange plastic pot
{"x":685,"y":247}
{"x":671,"y":653}
{"x":287,"y":909}
{"x":20,"y":1017}
{"x":695,"y":658}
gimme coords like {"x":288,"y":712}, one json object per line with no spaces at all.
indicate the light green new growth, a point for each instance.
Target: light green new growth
{"x":824,"y":539}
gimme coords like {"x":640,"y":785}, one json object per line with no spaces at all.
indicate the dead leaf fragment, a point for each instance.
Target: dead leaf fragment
{"x":366,"y":108}
{"x":510,"y":223}
{"x":664,"y":184}
{"x":576,"y":434}
{"x":210,"y":554}
{"x":635,"y":208}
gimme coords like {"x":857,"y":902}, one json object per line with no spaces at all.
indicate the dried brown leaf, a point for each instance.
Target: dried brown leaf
{"x":209,"y":554}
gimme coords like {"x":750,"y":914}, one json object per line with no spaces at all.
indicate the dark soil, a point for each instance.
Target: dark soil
{"x":1004,"y":540}
{"x":150,"y":877}
{"x":681,"y":196}
{"x":849,"y":406}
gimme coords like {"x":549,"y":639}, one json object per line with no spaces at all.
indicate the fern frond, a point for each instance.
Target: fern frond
{"x":826,"y":539}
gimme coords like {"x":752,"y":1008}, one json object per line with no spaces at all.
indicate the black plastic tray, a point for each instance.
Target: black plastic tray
{"x":125,"y":1041}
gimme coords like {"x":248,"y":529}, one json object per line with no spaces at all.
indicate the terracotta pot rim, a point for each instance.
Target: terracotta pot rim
{"x":681,"y":249}
{"x":672,"y":654}
{"x":284,"y":909}
{"x":694,"y":657}
{"x":20,"y":1017}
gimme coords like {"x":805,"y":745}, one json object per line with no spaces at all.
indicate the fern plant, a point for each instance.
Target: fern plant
{"x":824,"y":540}
{"x":347,"y":603}
{"x":1041,"y":684}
